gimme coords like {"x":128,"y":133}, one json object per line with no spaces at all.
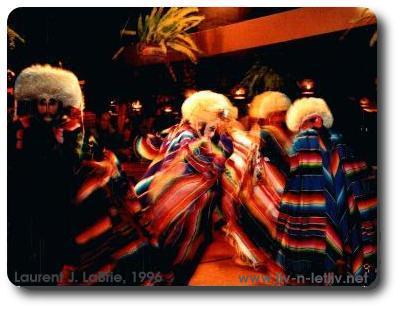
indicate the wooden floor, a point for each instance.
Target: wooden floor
{"x":217,"y":268}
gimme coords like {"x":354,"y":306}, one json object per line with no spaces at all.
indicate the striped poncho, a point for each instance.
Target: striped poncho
{"x":253,"y":182}
{"x":178,"y":195}
{"x":327,"y":217}
{"x":160,"y":149}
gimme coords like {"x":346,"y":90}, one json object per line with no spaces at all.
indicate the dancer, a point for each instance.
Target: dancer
{"x":327,"y":217}
{"x":44,"y":144}
{"x":65,"y":197}
{"x":180,"y":189}
{"x":254,"y":181}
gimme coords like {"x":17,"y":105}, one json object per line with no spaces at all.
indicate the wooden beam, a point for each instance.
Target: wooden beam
{"x":277,"y":28}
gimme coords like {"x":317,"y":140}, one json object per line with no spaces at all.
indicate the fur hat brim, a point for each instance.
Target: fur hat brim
{"x":45,"y":82}
{"x":304,"y":108}
{"x":268,"y":102}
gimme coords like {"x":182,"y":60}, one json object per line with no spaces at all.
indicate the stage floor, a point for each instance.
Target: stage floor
{"x":217,"y":268}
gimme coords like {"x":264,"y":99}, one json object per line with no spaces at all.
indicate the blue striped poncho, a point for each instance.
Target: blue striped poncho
{"x":327,"y":217}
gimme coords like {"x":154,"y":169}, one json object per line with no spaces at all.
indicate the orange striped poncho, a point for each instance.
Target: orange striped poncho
{"x":178,"y":199}
{"x":253,"y":182}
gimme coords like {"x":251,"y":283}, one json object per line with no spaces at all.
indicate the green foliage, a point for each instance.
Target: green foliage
{"x":169,"y":30}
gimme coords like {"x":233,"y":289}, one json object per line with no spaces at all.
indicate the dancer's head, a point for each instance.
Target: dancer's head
{"x":309,"y":113}
{"x":205,"y":111}
{"x":269,"y":108}
{"x":51,"y":91}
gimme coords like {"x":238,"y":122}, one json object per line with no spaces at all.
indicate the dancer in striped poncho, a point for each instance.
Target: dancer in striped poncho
{"x":162,"y":225}
{"x":180,"y":190}
{"x":254,"y":180}
{"x":327,"y":218}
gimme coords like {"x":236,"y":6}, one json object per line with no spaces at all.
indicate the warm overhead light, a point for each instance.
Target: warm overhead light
{"x":307,"y":86}
{"x":367,"y":105}
{"x":167,"y":109}
{"x":239,"y":93}
{"x":365,"y":102}
{"x":137,"y":106}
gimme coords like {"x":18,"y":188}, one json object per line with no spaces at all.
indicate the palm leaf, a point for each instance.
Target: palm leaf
{"x":146,"y":28}
{"x":186,"y":11}
{"x":156,"y":19}
{"x":192,"y":22}
{"x":127,"y":32}
{"x":177,"y":16}
{"x":168,"y":14}
{"x":140,"y":28}
{"x":118,"y":52}
{"x":163,"y":46}
{"x":168,"y":29}
{"x":183,"y":50}
{"x":152,"y":24}
{"x":188,"y":41}
{"x":172,"y":22}
{"x":153,"y":12}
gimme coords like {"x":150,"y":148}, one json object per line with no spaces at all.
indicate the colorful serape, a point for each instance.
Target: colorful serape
{"x":327,"y":218}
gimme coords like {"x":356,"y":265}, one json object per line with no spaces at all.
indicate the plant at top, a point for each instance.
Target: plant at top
{"x":169,"y":29}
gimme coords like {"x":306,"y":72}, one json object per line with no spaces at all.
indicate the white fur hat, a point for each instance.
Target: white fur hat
{"x":44,"y":81}
{"x":304,"y":108}
{"x":268,"y":102}
{"x":207,"y":106}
